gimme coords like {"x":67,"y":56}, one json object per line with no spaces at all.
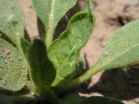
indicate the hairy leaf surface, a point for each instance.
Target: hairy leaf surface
{"x":51,"y":11}
{"x":13,"y":67}
{"x":64,"y":52}
{"x":11,"y":19}
{"x":122,"y":49}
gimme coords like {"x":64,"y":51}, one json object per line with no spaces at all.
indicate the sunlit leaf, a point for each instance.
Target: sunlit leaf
{"x":51,"y":11}
{"x":13,"y":67}
{"x":122,"y":49}
{"x":11,"y":20}
{"x":64,"y":52}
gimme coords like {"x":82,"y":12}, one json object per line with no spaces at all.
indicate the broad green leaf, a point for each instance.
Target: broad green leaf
{"x":100,"y":100}
{"x":11,"y":20}
{"x":42,"y":70}
{"x":64,"y":52}
{"x":12,"y":67}
{"x":122,"y":49}
{"x":51,"y":11}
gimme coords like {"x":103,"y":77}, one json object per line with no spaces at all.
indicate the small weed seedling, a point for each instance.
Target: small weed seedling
{"x":47,"y":69}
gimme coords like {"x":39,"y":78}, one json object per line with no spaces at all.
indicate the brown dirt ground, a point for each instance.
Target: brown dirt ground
{"x":110,"y":15}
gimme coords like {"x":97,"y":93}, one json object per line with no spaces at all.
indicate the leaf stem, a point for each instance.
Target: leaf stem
{"x":50,"y":29}
{"x":49,"y":37}
{"x":79,"y":80}
{"x":86,"y":76}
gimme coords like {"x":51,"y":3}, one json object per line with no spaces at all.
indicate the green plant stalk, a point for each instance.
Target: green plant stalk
{"x":79,"y":80}
{"x":86,"y":76}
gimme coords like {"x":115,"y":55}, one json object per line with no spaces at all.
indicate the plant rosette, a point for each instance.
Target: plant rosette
{"x":46,"y":69}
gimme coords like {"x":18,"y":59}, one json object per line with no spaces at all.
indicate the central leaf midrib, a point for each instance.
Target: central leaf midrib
{"x":51,"y":16}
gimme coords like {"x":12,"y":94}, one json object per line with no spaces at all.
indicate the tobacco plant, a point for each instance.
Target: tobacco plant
{"x":48,"y":69}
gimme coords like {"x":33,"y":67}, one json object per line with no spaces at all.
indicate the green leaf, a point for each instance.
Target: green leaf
{"x":11,"y":20}
{"x":50,"y":13}
{"x":64,"y":52}
{"x":122,"y":49}
{"x":42,"y":70}
{"x":100,"y":100}
{"x":13,"y":68}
